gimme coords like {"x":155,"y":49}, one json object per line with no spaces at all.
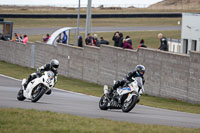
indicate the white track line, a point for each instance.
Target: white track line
{"x":53,"y":88}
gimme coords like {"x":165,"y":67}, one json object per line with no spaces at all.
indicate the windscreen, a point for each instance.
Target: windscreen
{"x":139,"y":81}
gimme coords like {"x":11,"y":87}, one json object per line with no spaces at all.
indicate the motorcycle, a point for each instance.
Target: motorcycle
{"x":37,"y":87}
{"x":124,"y":98}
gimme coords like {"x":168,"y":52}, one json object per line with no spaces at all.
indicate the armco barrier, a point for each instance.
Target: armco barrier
{"x":140,"y":15}
{"x":167,"y":74}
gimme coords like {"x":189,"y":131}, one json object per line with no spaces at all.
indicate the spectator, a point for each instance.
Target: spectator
{"x":80,"y":41}
{"x":116,"y":38}
{"x":25,"y":39}
{"x":2,"y":37}
{"x":121,"y":40}
{"x":17,"y":38}
{"x":142,"y":44}
{"x":89,"y":40}
{"x":58,"y":39}
{"x":127,"y":44}
{"x":128,"y":39}
{"x":163,"y":42}
{"x":102,"y":41}
{"x":45,"y":39}
{"x":64,"y":40}
{"x":96,"y":41}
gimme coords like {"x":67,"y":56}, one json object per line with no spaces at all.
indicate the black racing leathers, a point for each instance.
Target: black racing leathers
{"x":163,"y":44}
{"x":128,"y":77}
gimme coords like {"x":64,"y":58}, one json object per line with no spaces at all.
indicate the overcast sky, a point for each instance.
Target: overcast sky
{"x":74,"y":3}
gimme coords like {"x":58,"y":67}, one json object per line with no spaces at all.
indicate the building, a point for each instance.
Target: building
{"x":190,"y":35}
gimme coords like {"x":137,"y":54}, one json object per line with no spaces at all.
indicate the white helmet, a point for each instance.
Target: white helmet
{"x":54,"y":64}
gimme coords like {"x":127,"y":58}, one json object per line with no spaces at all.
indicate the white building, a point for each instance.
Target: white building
{"x":190,"y":34}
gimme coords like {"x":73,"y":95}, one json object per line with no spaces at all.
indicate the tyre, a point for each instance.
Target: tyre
{"x":103,"y":103}
{"x":37,"y":93}
{"x":129,"y":105}
{"x":48,"y":92}
{"x":20,"y":95}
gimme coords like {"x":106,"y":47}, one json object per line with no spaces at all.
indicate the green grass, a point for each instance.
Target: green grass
{"x":33,"y":121}
{"x":97,"y":90}
{"x":113,"y":22}
{"x":150,"y":37}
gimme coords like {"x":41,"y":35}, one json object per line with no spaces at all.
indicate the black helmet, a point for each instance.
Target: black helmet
{"x":140,"y":69}
{"x":54,"y":64}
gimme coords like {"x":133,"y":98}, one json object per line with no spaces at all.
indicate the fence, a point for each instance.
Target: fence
{"x":167,"y":74}
{"x":174,"y":45}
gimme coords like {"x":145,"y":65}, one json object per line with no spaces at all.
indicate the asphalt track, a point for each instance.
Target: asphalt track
{"x":84,"y":105}
{"x":39,"y":31}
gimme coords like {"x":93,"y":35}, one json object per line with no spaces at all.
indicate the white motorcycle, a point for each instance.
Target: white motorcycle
{"x":37,"y":87}
{"x":124,"y":98}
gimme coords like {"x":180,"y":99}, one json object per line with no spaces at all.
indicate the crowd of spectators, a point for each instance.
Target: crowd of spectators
{"x":20,"y":38}
{"x":94,"y":41}
{"x":118,"y":38}
{"x":126,"y":43}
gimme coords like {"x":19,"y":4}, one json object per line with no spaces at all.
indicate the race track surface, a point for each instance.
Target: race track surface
{"x":84,"y":105}
{"x":39,"y":31}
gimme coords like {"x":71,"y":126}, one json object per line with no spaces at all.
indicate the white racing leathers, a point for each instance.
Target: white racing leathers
{"x":37,"y":87}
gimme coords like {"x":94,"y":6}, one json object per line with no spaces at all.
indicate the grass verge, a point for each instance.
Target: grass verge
{"x":150,"y":37}
{"x":20,"y":120}
{"x":97,"y":90}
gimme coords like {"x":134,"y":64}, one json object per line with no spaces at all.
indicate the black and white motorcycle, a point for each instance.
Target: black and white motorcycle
{"x":37,"y":87}
{"x":124,"y":98}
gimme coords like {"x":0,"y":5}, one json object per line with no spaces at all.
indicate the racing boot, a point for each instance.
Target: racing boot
{"x":27,"y":81}
{"x":120,"y":99}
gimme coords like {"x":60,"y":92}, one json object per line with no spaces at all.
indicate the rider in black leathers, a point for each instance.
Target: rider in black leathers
{"x":53,"y":66}
{"x":139,"y":72}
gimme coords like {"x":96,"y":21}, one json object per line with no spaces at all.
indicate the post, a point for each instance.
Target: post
{"x":32,"y":56}
{"x":88,"y":19}
{"x":78,"y":21}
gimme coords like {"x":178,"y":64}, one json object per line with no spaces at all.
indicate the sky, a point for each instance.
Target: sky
{"x":74,"y":3}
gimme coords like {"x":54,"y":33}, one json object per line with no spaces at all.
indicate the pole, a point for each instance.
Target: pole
{"x":78,"y":21}
{"x":88,"y":19}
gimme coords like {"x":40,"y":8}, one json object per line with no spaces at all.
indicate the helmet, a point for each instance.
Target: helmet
{"x":140,"y":69}
{"x":54,"y":64}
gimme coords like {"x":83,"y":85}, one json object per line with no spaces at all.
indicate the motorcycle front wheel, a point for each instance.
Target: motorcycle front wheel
{"x":129,"y":105}
{"x":37,"y":93}
{"x":103,"y":103}
{"x":20,"y":95}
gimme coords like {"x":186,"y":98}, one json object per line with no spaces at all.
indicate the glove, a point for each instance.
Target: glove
{"x":39,"y":73}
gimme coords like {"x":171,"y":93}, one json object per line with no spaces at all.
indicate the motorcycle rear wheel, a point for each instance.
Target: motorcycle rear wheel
{"x":38,"y":92}
{"x":103,"y":103}
{"x":20,"y":95}
{"x":129,"y":105}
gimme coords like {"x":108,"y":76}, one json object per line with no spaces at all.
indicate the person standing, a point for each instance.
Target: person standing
{"x":102,"y":41}
{"x":163,"y":42}
{"x":45,"y":39}
{"x":142,"y":44}
{"x":96,"y":41}
{"x":116,"y":39}
{"x":80,"y":41}
{"x":25,"y":39}
{"x":89,"y":40}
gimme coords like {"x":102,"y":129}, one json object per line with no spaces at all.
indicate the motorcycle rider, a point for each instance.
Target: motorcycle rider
{"x":138,"y":72}
{"x":53,"y":66}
